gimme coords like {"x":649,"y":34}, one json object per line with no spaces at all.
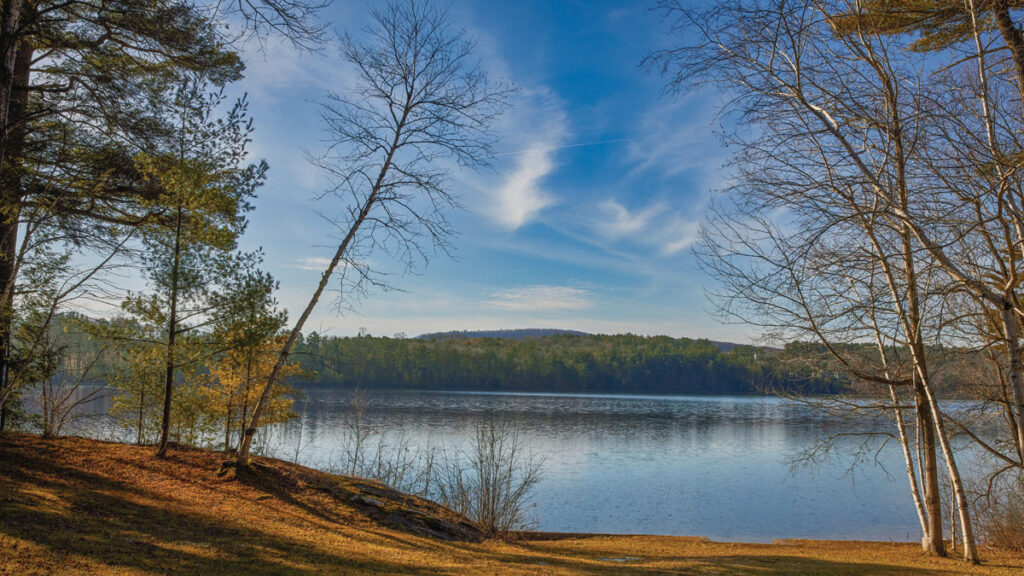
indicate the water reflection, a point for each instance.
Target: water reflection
{"x":711,"y":466}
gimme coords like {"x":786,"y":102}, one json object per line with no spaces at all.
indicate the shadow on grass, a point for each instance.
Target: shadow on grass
{"x":49,"y":499}
{"x":74,"y":512}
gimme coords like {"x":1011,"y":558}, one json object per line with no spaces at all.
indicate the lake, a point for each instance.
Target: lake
{"x":714,"y":466}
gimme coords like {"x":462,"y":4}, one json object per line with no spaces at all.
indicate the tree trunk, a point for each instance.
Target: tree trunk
{"x":9,"y":20}
{"x":245,"y":394}
{"x":282,"y":359}
{"x":142,"y":408}
{"x":932,"y":541}
{"x":172,"y":332}
{"x":966,"y":526}
{"x":1013,"y":38}
{"x":13,"y":138}
{"x":1011,"y":332}
{"x":227,"y":425}
{"x":8,"y":255}
{"x":915,"y":490}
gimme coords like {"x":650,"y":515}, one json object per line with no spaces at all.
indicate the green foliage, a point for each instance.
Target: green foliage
{"x":563,"y":363}
{"x":138,"y":384}
{"x":937,"y":24}
{"x":245,"y":329}
{"x":92,"y":82}
{"x":102,"y":75}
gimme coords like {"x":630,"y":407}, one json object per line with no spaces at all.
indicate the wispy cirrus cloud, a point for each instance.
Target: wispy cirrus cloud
{"x":656,"y":225}
{"x":674,"y":137}
{"x":678,"y":236}
{"x":532,"y":132}
{"x":310,"y":263}
{"x":621,"y":222}
{"x":522,"y":196}
{"x":671,"y":153}
{"x":278,"y":70}
{"x":540,"y":299}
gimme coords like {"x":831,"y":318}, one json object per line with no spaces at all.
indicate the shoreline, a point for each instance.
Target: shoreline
{"x":80,"y":506}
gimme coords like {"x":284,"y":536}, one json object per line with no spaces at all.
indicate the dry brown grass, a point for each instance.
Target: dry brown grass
{"x":74,"y":506}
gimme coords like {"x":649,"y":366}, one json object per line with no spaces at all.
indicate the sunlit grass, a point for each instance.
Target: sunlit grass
{"x":75,"y":506}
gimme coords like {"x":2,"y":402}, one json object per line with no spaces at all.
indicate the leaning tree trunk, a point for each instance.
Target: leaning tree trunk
{"x":282,"y":358}
{"x":250,"y":427}
{"x":915,"y":489}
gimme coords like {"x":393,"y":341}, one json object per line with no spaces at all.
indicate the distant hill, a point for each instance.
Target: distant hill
{"x":524,"y":333}
{"x":726,"y":346}
{"x":546,"y":360}
{"x":518,"y":334}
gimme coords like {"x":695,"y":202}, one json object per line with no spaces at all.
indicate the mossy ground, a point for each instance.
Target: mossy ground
{"x":75,"y":506}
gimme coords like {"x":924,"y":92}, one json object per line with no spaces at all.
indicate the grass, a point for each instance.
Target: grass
{"x":76,"y":506}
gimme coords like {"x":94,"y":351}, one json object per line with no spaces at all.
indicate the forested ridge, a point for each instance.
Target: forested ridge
{"x":561,"y":362}
{"x":518,"y":361}
{"x":628,"y":364}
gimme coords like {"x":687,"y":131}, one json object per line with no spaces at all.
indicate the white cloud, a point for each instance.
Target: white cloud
{"x":626,"y":223}
{"x":521,"y":197}
{"x":532,"y":132}
{"x":679,"y":236}
{"x":310,"y":263}
{"x":541,"y":298}
{"x":668,"y":231}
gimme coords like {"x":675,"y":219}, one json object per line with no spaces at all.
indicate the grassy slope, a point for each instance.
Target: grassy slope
{"x":74,"y":506}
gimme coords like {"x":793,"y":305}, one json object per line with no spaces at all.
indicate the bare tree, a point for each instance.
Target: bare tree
{"x":295,"y":20}
{"x":830,"y":231}
{"x":421,"y":99}
{"x":490,"y":482}
{"x":62,"y":393}
{"x":389,"y":457}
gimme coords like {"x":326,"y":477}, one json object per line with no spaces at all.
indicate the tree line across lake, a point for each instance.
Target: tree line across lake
{"x":556,"y":362}
{"x":513,"y":361}
{"x":579,"y":363}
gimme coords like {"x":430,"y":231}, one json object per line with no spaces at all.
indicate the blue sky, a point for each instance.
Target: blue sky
{"x":584,"y":223}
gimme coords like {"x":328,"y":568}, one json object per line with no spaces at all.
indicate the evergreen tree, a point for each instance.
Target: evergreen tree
{"x":83,"y":88}
{"x":940,"y":24}
{"x":205,"y":190}
{"x":247,"y":323}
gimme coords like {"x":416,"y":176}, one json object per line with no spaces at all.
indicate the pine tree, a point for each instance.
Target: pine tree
{"x":940,"y":24}
{"x":246,"y":328}
{"x":83,"y":86}
{"x":205,"y":191}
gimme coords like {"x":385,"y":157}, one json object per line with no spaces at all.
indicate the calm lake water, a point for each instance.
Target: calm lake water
{"x":720,"y":467}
